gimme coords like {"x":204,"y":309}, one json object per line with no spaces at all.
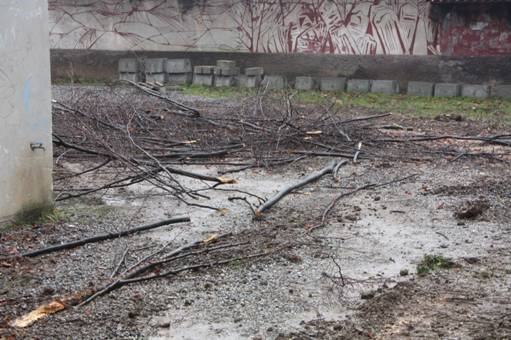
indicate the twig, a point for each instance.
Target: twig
{"x":121,"y":261}
{"x":359,"y":119}
{"x":364,"y":187}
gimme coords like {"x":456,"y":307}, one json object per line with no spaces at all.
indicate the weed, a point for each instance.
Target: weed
{"x":53,"y":216}
{"x":433,"y":262}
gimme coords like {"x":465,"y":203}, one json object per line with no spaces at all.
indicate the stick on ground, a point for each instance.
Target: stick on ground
{"x":290,"y":188}
{"x":103,"y":237}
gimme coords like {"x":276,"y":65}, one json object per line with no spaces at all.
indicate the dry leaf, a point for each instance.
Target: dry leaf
{"x":211,"y":239}
{"x":36,"y":314}
{"x":226,"y":180}
{"x":223,"y":211}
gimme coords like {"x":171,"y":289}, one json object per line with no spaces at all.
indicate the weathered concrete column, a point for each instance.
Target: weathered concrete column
{"x":25,"y":108}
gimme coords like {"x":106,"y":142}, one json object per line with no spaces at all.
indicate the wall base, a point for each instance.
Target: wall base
{"x":103,"y":65}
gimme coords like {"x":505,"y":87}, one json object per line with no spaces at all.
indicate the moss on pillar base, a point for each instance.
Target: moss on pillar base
{"x":35,"y":213}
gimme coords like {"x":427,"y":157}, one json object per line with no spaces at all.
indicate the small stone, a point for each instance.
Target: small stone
{"x":188,"y":303}
{"x":403,"y":272}
{"x":132,"y":314}
{"x":377,"y":198}
{"x":367,"y":295}
{"x":351,"y":217}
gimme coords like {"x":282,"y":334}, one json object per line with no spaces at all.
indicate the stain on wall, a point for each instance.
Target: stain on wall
{"x":475,"y":29}
{"x":348,"y":27}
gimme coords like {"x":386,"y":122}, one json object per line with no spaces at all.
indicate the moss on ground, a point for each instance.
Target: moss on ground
{"x":431,"y":263}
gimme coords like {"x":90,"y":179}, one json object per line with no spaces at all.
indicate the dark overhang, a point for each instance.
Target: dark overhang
{"x":468,"y":1}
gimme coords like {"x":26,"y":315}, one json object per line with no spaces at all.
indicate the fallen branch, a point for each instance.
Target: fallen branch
{"x":165,"y":98}
{"x":359,"y":119}
{"x":290,"y":188}
{"x":489,"y":139}
{"x":103,"y":237}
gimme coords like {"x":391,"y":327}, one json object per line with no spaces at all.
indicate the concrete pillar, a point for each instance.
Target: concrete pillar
{"x":25,"y":108}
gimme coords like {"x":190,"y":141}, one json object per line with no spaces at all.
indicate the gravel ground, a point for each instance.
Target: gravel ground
{"x":343,"y":281}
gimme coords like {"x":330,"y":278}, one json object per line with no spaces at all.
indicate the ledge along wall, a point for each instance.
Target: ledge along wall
{"x":25,"y":108}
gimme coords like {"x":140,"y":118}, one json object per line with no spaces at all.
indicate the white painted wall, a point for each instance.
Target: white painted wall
{"x":25,"y":107}
{"x":361,"y":27}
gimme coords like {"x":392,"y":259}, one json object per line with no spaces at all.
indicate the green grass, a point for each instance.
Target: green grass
{"x":487,"y":109}
{"x":431,"y":263}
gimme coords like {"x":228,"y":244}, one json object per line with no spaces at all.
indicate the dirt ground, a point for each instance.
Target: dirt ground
{"x":354,"y":278}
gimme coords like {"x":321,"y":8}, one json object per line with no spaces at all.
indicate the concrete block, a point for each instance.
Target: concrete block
{"x":420,"y":88}
{"x":254,"y":71}
{"x":226,"y":64}
{"x":305,"y":83}
{"x":358,"y":85}
{"x":502,"y":91}
{"x":223,"y":81}
{"x":204,"y":69}
{"x":249,"y":81}
{"x":274,"y":82}
{"x":332,"y":84}
{"x":156,"y":78}
{"x":227,"y":71}
{"x":134,"y":77}
{"x":174,"y":66}
{"x":447,"y":90}
{"x":475,"y":91}
{"x":203,"y":79}
{"x":385,"y":86}
{"x":154,"y":65}
{"x":179,"y":79}
{"x":129,"y":65}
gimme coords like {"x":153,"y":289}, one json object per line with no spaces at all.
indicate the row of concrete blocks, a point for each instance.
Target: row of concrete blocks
{"x":156,"y":70}
{"x":180,"y":72}
{"x":415,"y":88}
{"x":226,"y":73}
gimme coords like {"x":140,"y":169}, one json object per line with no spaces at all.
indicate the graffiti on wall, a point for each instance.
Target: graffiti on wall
{"x":399,"y":27}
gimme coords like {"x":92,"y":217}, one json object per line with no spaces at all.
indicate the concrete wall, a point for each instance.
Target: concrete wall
{"x":25,"y":107}
{"x":102,"y":65}
{"x":345,"y":27}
